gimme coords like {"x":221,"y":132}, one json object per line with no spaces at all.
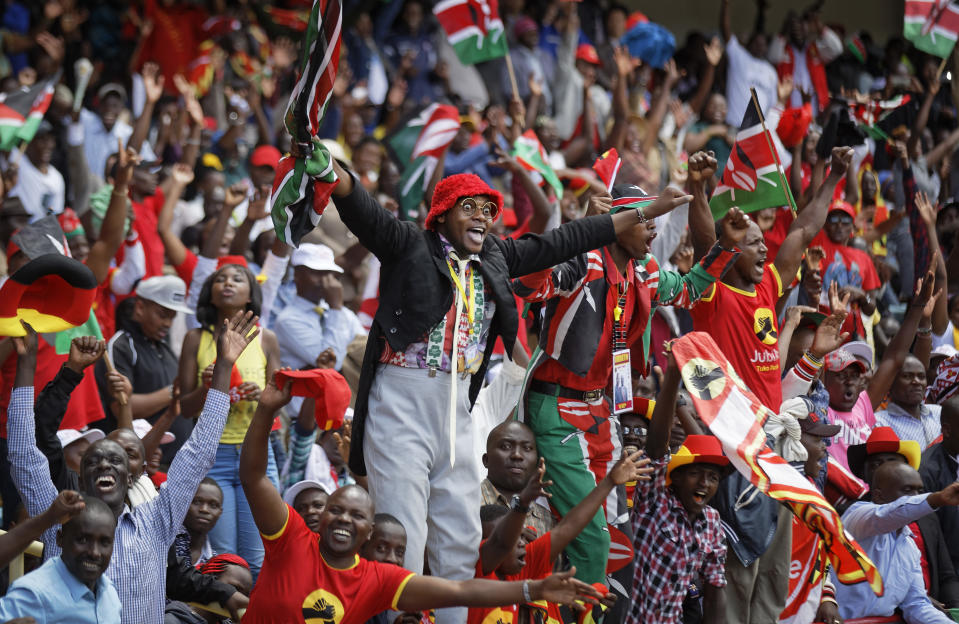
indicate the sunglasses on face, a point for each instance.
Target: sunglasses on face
{"x":640,"y":431}
{"x":469,"y":206}
{"x":842,"y":219}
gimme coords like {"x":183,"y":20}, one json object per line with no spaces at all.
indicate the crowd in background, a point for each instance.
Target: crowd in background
{"x":200,"y":425}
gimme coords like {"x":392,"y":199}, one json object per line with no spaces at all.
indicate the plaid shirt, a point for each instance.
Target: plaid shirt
{"x":143,"y":535}
{"x":670,"y":550}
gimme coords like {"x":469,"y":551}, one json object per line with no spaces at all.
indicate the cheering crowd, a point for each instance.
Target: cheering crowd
{"x":482,"y":312}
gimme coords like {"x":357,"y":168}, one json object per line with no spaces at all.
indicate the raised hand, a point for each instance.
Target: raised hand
{"x":234,"y":337}
{"x":235,"y":194}
{"x":182,"y":174}
{"x":702,"y":167}
{"x":535,"y":88}
{"x":127,"y":159}
{"x":66,"y":506}
{"x":794,"y":314}
{"x":668,"y":200}
{"x":535,"y":487}
{"x":272,"y":398}
{"x":714,"y":51}
{"x":635,"y":467}
{"x":27,"y":344}
{"x":599,"y":204}
{"x":344,"y":438}
{"x":120,"y":387}
{"x":734,"y":226}
{"x":926,"y":210}
{"x":332,"y":290}
{"x":841,"y":159}
{"x":828,"y":336}
{"x":326,"y":359}
{"x":625,"y":64}
{"x":814,"y":256}
{"x":924,"y":290}
{"x":949,"y":495}
{"x":259,"y":207}
{"x":784,"y":89}
{"x":152,"y":82}
{"x":84,"y":351}
{"x":838,"y":302}
{"x":562,"y":588}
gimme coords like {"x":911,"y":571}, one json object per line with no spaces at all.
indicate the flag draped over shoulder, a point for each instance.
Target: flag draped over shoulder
{"x":931,"y":25}
{"x":419,"y":143}
{"x":753,"y":177}
{"x":474,"y":29}
{"x":736,"y":417}
{"x":305,"y":179}
{"x":530,"y":153}
{"x":22,"y":111}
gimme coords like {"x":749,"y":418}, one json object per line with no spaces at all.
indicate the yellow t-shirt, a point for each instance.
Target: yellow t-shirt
{"x":252,"y":367}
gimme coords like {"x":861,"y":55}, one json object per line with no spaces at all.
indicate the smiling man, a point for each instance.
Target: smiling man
{"x":71,"y":587}
{"x":145,"y":533}
{"x":445,"y":298}
{"x":908,"y":413}
{"x":596,"y":305}
{"x":311,"y":576}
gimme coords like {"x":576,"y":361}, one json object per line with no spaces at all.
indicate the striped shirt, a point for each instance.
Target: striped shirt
{"x":144,"y":534}
{"x":925,"y":430}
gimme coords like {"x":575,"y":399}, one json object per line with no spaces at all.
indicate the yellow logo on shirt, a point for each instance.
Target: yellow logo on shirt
{"x":764,"y":325}
{"x":499,"y":616}
{"x":322,"y":607}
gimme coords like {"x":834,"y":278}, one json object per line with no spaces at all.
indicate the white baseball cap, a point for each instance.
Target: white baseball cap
{"x":167,"y":291}
{"x":141,"y":427}
{"x":307,"y":484}
{"x":69,"y":436}
{"x":315,"y":256}
{"x":860,"y":350}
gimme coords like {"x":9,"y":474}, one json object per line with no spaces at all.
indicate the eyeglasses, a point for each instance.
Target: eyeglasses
{"x":842,"y":219}
{"x":469,"y":207}
{"x":640,"y":431}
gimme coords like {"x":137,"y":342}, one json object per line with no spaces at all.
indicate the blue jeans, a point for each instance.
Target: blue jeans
{"x":235,"y":532}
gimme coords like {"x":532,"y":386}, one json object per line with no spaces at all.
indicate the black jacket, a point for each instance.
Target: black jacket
{"x":939,"y":470}
{"x":416,"y":290}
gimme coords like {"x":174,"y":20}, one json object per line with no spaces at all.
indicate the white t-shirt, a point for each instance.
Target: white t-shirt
{"x":745,"y":71}
{"x":40,"y":193}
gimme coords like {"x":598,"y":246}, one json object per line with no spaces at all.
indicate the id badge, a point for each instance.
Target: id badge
{"x":622,"y":382}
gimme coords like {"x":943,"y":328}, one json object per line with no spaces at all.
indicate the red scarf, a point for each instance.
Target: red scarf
{"x":817,"y":72}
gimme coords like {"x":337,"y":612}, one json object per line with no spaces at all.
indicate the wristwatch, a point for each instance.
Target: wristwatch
{"x":515,"y":504}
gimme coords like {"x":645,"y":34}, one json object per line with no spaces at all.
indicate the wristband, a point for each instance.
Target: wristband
{"x":641,"y":215}
{"x":924,"y":331}
{"x":526,"y":594}
{"x":515,"y":504}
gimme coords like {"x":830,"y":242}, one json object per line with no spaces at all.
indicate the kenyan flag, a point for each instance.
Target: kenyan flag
{"x":531,"y":155}
{"x":753,"y":178}
{"x":474,"y":29}
{"x":931,"y":25}
{"x":420,"y":142}
{"x":22,"y":111}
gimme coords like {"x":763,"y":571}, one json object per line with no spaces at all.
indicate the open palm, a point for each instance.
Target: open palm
{"x":235,"y":335}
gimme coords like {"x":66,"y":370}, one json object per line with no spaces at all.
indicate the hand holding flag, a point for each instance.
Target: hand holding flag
{"x":607,"y":166}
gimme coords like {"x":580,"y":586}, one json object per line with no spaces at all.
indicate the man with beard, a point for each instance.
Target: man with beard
{"x":609,"y":296}
{"x":72,"y":586}
{"x":145,"y":533}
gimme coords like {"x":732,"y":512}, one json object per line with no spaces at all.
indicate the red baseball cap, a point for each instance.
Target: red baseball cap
{"x":586,"y":52}
{"x":842,"y":206}
{"x":265,"y":156}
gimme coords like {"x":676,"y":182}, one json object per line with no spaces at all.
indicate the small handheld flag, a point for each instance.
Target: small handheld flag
{"x":607,"y":166}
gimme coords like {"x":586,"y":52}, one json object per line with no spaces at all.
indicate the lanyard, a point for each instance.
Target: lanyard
{"x":469,"y":301}
{"x":619,"y":330}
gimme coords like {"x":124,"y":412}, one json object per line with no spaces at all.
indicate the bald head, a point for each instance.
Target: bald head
{"x":893,"y":480}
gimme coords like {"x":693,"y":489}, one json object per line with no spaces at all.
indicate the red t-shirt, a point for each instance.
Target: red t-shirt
{"x":185,"y":268}
{"x":774,"y":236}
{"x":846,"y":265}
{"x":145,"y":225}
{"x":538,"y":566}
{"x":746,"y":330}
{"x":297,"y":585}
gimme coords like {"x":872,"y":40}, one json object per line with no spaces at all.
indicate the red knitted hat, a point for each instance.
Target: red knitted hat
{"x":450,"y":190}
